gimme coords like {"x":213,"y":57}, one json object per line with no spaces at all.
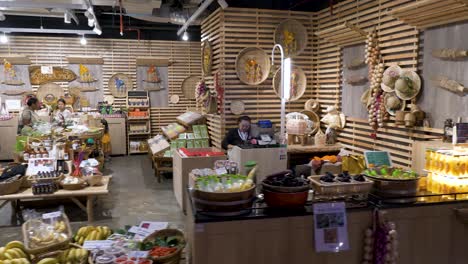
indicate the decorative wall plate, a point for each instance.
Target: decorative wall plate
{"x":119,"y":84}
{"x":292,"y":36}
{"x":207,"y":58}
{"x":408,"y":85}
{"x":298,"y":83}
{"x":109,"y":99}
{"x":174,"y":99}
{"x":252,"y":66}
{"x":237,"y":107}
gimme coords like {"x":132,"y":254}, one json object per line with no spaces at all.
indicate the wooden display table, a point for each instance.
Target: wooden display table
{"x":89,"y":192}
{"x":298,"y":155}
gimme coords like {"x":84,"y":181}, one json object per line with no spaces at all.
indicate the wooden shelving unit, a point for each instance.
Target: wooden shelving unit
{"x":431,"y":13}
{"x":345,"y":34}
{"x":138,"y":128}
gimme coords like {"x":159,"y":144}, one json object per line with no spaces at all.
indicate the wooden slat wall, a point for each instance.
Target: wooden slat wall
{"x":233,"y":29}
{"x":119,"y":57}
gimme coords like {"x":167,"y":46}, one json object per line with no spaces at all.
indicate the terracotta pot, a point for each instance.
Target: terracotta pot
{"x":285,"y":200}
{"x":400,"y":117}
{"x":410,"y":119}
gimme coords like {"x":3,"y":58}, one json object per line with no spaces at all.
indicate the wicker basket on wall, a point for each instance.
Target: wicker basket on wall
{"x":292,"y":36}
{"x":301,"y":81}
{"x":314,"y":118}
{"x":119,"y":84}
{"x":189,"y":85}
{"x":252,"y":66}
{"x":49,"y":93}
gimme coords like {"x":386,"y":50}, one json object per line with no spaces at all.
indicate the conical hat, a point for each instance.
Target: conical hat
{"x":408,"y":85}
{"x":390,"y":76}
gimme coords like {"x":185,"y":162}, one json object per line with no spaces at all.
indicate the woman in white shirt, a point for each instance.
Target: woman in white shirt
{"x":61,"y":113}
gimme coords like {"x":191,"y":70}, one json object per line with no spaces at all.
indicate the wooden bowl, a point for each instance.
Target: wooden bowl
{"x":285,"y":200}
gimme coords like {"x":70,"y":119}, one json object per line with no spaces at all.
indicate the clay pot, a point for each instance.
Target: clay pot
{"x":410,"y":119}
{"x":400,"y":117}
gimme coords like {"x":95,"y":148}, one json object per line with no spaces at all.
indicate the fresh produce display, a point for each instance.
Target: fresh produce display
{"x":342,"y":177}
{"x":286,"y":180}
{"x":41,"y":234}
{"x":223,"y":183}
{"x":390,"y":173}
{"x":71,"y":256}
{"x":163,"y":246}
{"x":127,"y":260}
{"x":86,"y":233}
{"x":14,"y":253}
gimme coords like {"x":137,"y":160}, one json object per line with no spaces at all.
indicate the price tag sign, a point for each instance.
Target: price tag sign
{"x":47,"y":70}
{"x":97,"y":244}
{"x":460,"y":135}
{"x":52,"y":215}
{"x":378,"y":158}
{"x":331,"y":228}
{"x":138,"y":254}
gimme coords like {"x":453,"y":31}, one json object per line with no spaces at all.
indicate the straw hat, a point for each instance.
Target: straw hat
{"x":408,"y":85}
{"x":366,"y":98}
{"x":392,"y":103}
{"x":390,"y":76}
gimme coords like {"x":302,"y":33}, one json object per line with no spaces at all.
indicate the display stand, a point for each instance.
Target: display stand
{"x":269,"y":160}
{"x":182,"y":166}
{"x":8,"y":130}
{"x":138,"y":126}
{"x":298,"y":154}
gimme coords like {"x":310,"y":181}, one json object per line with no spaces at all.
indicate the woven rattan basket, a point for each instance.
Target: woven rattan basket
{"x":207,"y":58}
{"x":312,"y":105}
{"x":314,"y":118}
{"x":189,"y":85}
{"x":292,"y":36}
{"x":175,"y":257}
{"x":119,"y":84}
{"x":50,"y":247}
{"x":252,"y":66}
{"x":57,"y":253}
{"x":299,"y":78}
{"x":11,"y":187}
{"x":49,"y":93}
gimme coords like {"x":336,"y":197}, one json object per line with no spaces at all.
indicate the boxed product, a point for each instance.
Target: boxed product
{"x":189,"y":118}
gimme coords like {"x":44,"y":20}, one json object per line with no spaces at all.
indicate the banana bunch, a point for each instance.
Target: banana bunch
{"x":73,"y":256}
{"x":60,"y":226}
{"x":14,"y":253}
{"x":86,"y":233}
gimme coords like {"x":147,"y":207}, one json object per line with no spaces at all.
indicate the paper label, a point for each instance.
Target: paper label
{"x":378,"y":158}
{"x":97,"y":244}
{"x":331,"y":229}
{"x":52,"y":215}
{"x":47,"y":70}
{"x":146,"y":228}
{"x":138,"y":254}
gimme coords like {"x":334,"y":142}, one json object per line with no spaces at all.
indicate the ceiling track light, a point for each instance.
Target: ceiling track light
{"x":83,"y":40}
{"x":97,"y":29}
{"x":67,"y":17}
{"x":3,"y":38}
{"x":2,"y":16}
{"x":185,"y":36}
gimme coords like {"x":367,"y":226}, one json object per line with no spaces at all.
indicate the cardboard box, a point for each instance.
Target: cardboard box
{"x":182,"y":166}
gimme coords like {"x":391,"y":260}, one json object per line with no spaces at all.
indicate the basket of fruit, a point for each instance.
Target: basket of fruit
{"x":285,"y":190}
{"x":86,"y":233}
{"x":73,"y":183}
{"x":75,"y":254}
{"x":11,"y":185}
{"x":392,"y":182}
{"x":342,"y":184}
{"x":15,"y":252}
{"x":46,"y":234}
{"x":165,"y":246}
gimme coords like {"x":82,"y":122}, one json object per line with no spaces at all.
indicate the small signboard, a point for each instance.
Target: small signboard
{"x":378,"y":158}
{"x":460,"y":134}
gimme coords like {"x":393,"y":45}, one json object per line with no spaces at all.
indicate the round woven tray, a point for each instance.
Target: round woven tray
{"x":252,"y":66}
{"x":301,"y":81}
{"x":312,"y":105}
{"x":298,"y":33}
{"x":189,"y":85}
{"x":237,"y":107}
{"x":127,"y":85}
{"x":207,"y":58}
{"x":49,"y":93}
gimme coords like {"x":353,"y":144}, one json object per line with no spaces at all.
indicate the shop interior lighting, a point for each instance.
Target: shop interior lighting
{"x":3,"y":38}
{"x":223,"y":4}
{"x":285,"y":86}
{"x":97,"y":29}
{"x":198,"y":12}
{"x":83,"y":40}
{"x":185,"y":36}
{"x":2,"y":16}
{"x":67,"y":17}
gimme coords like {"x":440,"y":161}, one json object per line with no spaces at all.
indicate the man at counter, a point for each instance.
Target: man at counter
{"x":28,"y":116}
{"x":240,"y":135}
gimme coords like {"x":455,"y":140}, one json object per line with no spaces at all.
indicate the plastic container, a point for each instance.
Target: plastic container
{"x":105,"y":259}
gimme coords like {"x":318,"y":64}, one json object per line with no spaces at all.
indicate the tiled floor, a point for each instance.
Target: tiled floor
{"x":135,"y":195}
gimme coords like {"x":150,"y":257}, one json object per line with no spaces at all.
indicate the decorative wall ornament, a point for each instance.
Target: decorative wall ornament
{"x":449,"y":85}
{"x":119,"y":84}
{"x":59,"y":75}
{"x":189,"y":85}
{"x":450,"y":54}
{"x":252,"y":66}
{"x":10,"y":77}
{"x":49,"y":93}
{"x":207,"y":57}
{"x":292,"y":36}
{"x":298,"y":83}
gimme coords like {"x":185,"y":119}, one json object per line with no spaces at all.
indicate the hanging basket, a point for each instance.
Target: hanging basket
{"x":298,"y":83}
{"x":49,"y":93}
{"x":252,"y":66}
{"x":189,"y":85}
{"x":119,"y":84}
{"x":292,"y":36}
{"x":207,"y":57}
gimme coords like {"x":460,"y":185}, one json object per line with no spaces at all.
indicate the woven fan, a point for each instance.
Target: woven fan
{"x":189,"y":85}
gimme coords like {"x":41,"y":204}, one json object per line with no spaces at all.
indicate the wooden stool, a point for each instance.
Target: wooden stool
{"x":294,"y":139}
{"x":161,"y":164}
